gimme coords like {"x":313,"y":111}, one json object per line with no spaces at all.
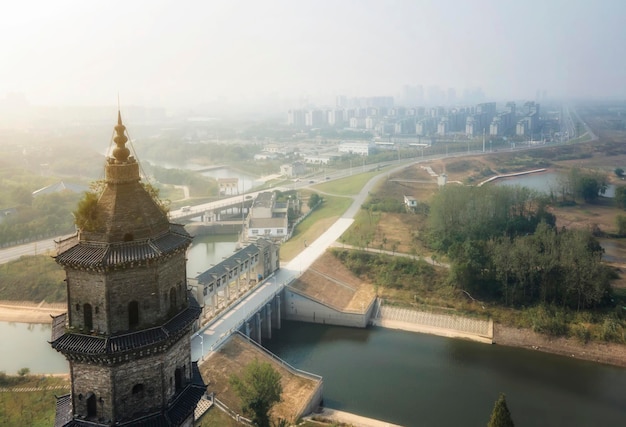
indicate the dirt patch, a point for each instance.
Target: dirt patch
{"x":331,"y":283}
{"x":600,"y":216}
{"x":608,"y":353}
{"x":233,"y":356}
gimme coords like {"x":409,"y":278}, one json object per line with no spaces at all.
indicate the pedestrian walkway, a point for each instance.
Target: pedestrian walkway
{"x":31,"y":389}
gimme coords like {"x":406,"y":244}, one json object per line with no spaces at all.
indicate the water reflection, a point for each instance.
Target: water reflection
{"x":209,"y":250}
{"x":549,"y":182}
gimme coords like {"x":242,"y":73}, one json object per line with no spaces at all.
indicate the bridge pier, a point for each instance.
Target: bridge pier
{"x":268,"y":320}
{"x":248,"y":328}
{"x":258,"y":327}
{"x":277,"y":302}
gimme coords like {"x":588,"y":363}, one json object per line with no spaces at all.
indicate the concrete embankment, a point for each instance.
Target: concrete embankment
{"x":509,"y":175}
{"x":445,"y":325}
{"x":336,"y":416}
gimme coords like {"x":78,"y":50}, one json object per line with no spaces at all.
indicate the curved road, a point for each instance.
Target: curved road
{"x":213,"y":334}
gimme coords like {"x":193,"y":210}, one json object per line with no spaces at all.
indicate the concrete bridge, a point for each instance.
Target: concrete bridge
{"x":258,"y":311}
{"x":213,"y":211}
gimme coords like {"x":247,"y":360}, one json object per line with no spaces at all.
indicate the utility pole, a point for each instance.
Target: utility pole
{"x":483,"y":140}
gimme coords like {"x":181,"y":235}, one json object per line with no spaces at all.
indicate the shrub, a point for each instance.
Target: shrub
{"x":612,"y":330}
{"x":548,"y":320}
{"x":581,"y":332}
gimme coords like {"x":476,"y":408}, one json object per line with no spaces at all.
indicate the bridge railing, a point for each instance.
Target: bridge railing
{"x":281,"y":361}
{"x":249,"y":313}
{"x":199,"y":211}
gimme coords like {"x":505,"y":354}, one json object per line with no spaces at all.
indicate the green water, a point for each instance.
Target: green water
{"x":420,"y":380}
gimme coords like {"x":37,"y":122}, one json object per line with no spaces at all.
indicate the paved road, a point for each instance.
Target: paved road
{"x":32,"y":248}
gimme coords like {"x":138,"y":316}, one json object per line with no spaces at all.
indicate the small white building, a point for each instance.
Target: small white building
{"x":293,"y":169}
{"x":267,"y":218}
{"x":356,"y":147}
{"x":410,"y":201}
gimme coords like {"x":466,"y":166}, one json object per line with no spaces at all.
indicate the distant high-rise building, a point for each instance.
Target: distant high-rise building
{"x":336,"y":117}
{"x":296,"y":118}
{"x":314,"y":118}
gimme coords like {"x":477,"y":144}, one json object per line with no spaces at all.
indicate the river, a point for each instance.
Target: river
{"x":26,"y":346}
{"x":209,"y":250}
{"x":420,"y":380}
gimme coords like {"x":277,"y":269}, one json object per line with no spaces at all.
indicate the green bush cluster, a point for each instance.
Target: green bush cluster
{"x":396,"y":272}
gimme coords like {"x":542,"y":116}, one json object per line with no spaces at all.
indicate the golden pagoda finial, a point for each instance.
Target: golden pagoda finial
{"x":121,"y":152}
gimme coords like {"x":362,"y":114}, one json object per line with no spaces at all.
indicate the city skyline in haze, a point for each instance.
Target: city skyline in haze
{"x":180,"y":54}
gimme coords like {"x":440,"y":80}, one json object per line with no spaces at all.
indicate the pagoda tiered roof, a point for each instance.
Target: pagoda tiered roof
{"x":103,"y":255}
{"x":177,"y":411}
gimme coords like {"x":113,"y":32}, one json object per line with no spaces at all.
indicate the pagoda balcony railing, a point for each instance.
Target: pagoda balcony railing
{"x":65,"y":341}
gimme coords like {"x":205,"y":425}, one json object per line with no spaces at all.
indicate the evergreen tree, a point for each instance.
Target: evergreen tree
{"x":500,"y":416}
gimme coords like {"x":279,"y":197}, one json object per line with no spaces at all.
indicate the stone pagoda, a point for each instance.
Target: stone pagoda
{"x":127,"y":330}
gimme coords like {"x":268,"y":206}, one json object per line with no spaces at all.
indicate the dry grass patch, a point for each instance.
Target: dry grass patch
{"x":588,"y":216}
{"x":331,"y":283}
{"x":403,"y":230}
{"x":232,"y":357}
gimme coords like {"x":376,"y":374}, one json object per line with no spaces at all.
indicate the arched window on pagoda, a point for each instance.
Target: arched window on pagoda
{"x":92,"y":407}
{"x":133,"y":314}
{"x":138,"y":390}
{"x":173,"y":304}
{"x":178,"y":380}
{"x":87,"y":317}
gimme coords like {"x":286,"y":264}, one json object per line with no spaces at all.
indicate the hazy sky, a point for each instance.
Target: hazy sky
{"x":177,"y":53}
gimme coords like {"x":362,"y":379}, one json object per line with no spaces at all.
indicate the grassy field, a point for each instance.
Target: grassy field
{"x":314,"y":225}
{"x":215,"y":417}
{"x":31,"y":408}
{"x":349,"y":186}
{"x":32,"y":278}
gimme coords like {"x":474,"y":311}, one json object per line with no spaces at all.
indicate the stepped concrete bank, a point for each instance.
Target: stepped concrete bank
{"x":445,"y":325}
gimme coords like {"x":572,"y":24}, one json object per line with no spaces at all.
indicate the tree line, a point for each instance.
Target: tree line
{"x":504,"y":245}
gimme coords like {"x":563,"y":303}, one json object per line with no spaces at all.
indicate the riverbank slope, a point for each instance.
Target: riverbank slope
{"x":601,"y":352}
{"x":29,"y":311}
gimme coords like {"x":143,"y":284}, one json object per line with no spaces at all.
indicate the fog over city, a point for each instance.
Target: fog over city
{"x":282,"y":54}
